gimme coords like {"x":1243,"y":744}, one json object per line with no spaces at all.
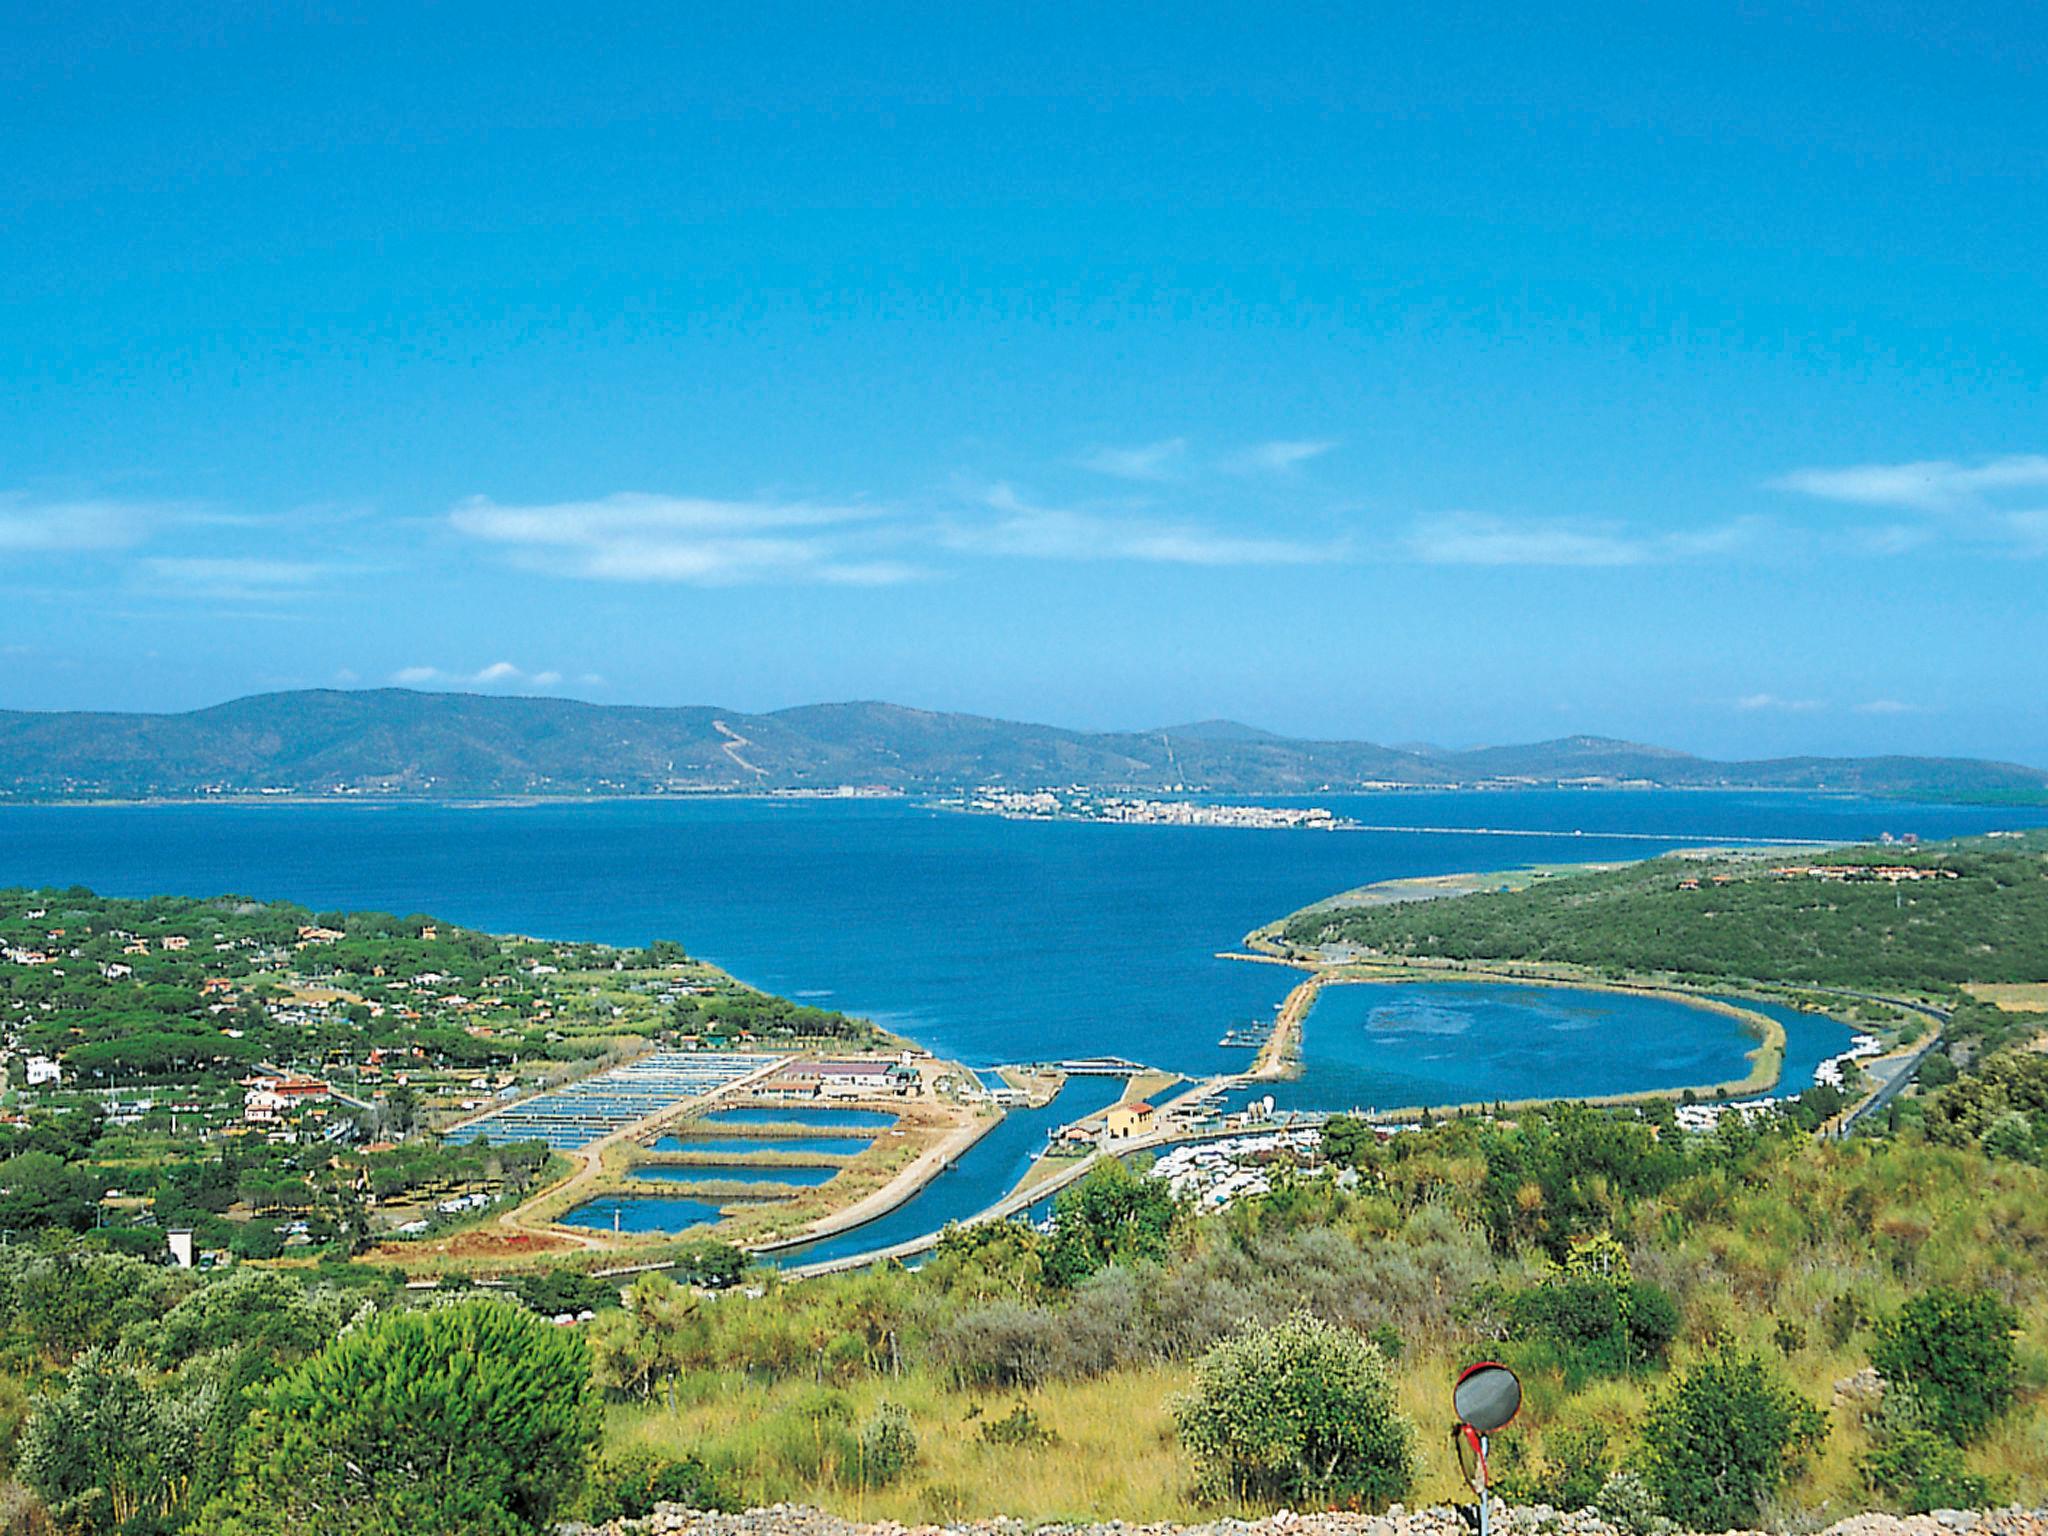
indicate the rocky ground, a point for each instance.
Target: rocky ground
{"x":798,"y":1520}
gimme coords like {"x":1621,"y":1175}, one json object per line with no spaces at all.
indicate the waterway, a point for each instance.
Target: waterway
{"x":985,"y":1172}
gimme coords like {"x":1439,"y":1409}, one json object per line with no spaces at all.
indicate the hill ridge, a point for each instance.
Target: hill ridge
{"x":431,"y":744}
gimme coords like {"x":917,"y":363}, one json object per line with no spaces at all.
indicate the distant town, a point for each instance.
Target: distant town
{"x":1075,"y":803}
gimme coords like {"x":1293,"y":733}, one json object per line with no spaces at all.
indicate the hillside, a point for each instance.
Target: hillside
{"x":453,"y":744}
{"x":1969,"y":911}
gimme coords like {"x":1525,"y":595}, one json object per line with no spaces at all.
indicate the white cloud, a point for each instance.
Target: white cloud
{"x":1489,"y":541}
{"x":1922,"y":485}
{"x":631,"y":537}
{"x":499,"y":674}
{"x":254,"y":573}
{"x":1278,"y":456}
{"x":1467,"y":539}
{"x":1992,"y":501}
{"x":1022,"y":530}
{"x":1146,"y":461}
{"x":30,"y":526}
{"x":1885,"y":707}
{"x":1755,"y":702}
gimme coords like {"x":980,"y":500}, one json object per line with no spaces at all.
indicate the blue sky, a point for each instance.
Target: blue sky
{"x":1428,"y":372}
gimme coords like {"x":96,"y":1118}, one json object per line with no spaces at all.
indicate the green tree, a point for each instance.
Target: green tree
{"x":1721,"y":1438}
{"x":1113,"y":1214}
{"x":477,"y":1417}
{"x":1955,"y":1351}
{"x":106,"y":1450}
{"x":1302,"y":1411}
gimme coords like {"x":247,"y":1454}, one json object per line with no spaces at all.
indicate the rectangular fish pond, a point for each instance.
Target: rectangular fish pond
{"x":643,"y":1213}
{"x":768,"y":1176}
{"x":830,"y":1118}
{"x":735,"y":1146}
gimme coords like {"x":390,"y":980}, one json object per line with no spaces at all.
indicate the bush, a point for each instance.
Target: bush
{"x":1917,"y":1467}
{"x":1575,"y":1467}
{"x":1303,"y":1411}
{"x":1020,"y":1426}
{"x":1596,"y":1324}
{"x":1722,"y":1438}
{"x":630,"y":1485}
{"x":888,"y":1445}
{"x":1956,"y":1353}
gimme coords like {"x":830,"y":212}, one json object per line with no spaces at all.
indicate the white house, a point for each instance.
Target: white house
{"x":43,"y":1072}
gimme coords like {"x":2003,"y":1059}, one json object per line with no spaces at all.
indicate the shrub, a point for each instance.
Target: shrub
{"x":1723,"y":1437}
{"x":1020,"y":1426}
{"x":1956,"y":1352}
{"x":1596,"y":1324}
{"x":1302,"y":1411}
{"x":888,"y":1445}
{"x":1917,"y":1467}
{"x":630,"y":1485}
{"x":1575,"y":1468}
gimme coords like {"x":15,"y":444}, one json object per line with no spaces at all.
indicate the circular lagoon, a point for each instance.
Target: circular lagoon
{"x":1394,"y":1045}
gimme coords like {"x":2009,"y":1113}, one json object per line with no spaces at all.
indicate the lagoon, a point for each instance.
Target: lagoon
{"x":1389,"y":1045}
{"x":987,"y":940}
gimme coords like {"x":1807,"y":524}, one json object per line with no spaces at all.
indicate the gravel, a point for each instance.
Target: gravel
{"x":1441,"y":1520}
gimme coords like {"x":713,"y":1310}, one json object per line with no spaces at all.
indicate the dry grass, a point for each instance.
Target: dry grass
{"x":2011,"y":996}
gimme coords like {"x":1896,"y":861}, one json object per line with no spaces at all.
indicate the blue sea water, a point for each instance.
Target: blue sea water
{"x":988,"y":940}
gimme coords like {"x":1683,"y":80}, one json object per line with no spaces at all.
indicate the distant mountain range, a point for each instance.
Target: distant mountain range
{"x":454,"y":745}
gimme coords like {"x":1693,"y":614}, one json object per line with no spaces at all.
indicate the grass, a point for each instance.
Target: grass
{"x":1116,"y":1455}
{"x":2012,"y":996}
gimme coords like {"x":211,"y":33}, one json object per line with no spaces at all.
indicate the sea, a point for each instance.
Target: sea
{"x":994,"y":941}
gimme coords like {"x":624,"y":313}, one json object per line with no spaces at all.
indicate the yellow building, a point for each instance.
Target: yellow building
{"x":1126,"y":1120}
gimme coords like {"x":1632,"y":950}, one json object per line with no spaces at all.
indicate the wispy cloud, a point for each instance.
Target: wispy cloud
{"x":1469,"y":539}
{"x":1019,"y":529}
{"x":1996,"y":500}
{"x":231,"y":579}
{"x":1278,"y":456}
{"x":1145,"y":461}
{"x":32,"y":526}
{"x":1924,"y":485}
{"x":503,"y":675}
{"x":632,"y":537}
{"x":1886,"y":707}
{"x":1757,"y":703}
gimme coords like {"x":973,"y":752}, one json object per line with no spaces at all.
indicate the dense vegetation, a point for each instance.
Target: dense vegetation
{"x":1669,"y":917}
{"x":161,"y":1015}
{"x":1110,"y":1365}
